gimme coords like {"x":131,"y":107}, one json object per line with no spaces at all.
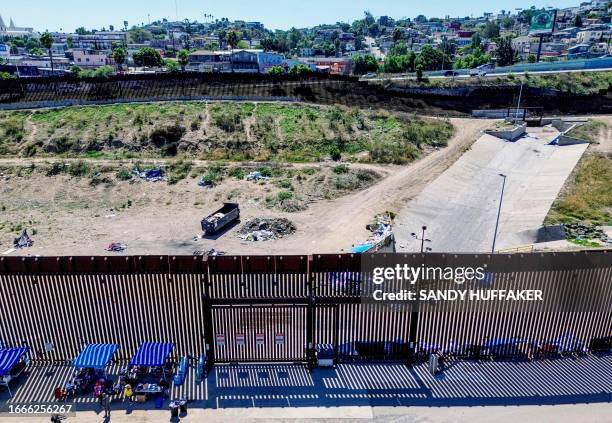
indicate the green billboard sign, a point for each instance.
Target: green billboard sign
{"x":542,"y":22}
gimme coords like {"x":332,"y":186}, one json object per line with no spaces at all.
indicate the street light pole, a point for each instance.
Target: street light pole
{"x":518,"y":105}
{"x":422,"y":239}
{"x":501,"y":198}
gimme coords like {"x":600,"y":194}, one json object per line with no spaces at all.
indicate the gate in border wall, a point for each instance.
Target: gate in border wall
{"x":267,"y":308}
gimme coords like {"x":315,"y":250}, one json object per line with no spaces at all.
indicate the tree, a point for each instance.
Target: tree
{"x":183,"y":58}
{"x":119,"y":55}
{"x":148,"y":57}
{"x":46,"y":39}
{"x":398,"y":49}
{"x":431,"y":58}
{"x":421,"y":19}
{"x":104,"y":72}
{"x":300,"y":70}
{"x":171,"y":65}
{"x":531,"y":58}
{"x":476,"y":58}
{"x":476,"y":41}
{"x":70,"y":41}
{"x":364,"y":64}
{"x":491,"y":30}
{"x":506,"y":55}
{"x":578,"y":21}
{"x":419,"y":72}
{"x":276,"y":70}
{"x":82,"y":31}
{"x":232,"y":39}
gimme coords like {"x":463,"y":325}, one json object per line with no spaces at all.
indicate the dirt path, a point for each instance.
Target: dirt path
{"x":331,"y":226}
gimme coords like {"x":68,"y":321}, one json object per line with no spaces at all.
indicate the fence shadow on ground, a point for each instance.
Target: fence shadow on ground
{"x":465,"y":383}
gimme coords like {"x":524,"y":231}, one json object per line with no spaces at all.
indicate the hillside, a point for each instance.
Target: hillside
{"x":212,"y":131}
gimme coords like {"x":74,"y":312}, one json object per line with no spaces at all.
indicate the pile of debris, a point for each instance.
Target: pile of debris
{"x":584,"y":231}
{"x":116,"y":247}
{"x":381,"y":237}
{"x":23,"y":240}
{"x":256,"y":176}
{"x":265,"y":228}
{"x":150,"y":175}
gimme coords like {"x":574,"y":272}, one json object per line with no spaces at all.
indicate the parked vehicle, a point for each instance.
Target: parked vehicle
{"x":481,"y":70}
{"x":451,"y":73}
{"x":220,"y":218}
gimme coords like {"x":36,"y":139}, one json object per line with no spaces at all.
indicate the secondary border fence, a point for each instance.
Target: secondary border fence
{"x":274,"y":308}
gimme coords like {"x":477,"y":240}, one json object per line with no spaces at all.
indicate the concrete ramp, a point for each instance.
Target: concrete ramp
{"x":460,"y":206}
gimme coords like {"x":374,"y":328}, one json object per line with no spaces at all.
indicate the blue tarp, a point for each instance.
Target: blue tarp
{"x":152,"y":354}
{"x":95,"y":356}
{"x":361,"y":248}
{"x":9,"y":357}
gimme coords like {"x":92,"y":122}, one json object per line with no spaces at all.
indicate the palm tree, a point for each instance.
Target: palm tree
{"x":183,"y":58}
{"x":46,"y":39}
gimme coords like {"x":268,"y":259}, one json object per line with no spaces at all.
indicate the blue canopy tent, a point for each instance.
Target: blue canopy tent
{"x":152,"y":354}
{"x":95,"y":356}
{"x":9,"y":358}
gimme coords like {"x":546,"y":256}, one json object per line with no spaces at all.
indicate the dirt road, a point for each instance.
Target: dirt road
{"x":165,"y":219}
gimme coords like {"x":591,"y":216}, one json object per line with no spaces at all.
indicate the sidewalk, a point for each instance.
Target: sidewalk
{"x":564,"y":389}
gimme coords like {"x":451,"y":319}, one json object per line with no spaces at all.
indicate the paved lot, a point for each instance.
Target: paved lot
{"x":460,"y":207}
{"x":568,"y":389}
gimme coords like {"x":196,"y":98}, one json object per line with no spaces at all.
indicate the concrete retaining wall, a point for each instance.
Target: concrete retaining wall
{"x":509,"y":134}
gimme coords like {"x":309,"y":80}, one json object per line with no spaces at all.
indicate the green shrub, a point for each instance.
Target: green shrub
{"x":237,"y":173}
{"x":284,"y":195}
{"x":340,"y":169}
{"x":124,"y":174}
{"x":265,"y":171}
{"x":78,"y":169}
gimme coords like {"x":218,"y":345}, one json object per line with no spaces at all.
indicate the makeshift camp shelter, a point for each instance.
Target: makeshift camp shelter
{"x":95,"y":356}
{"x":152,"y":354}
{"x":11,"y":365}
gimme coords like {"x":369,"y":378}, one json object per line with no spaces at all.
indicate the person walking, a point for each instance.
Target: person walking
{"x":106,"y":404}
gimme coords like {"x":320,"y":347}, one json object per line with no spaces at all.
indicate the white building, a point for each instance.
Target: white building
{"x":12,"y":30}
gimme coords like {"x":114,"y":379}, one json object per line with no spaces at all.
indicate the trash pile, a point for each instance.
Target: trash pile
{"x":116,"y":247}
{"x":265,"y":228}
{"x":205,"y":182}
{"x":212,"y":220}
{"x":150,"y":175}
{"x":256,"y":176}
{"x":382,"y":235}
{"x":211,"y":252}
{"x":584,"y":231}
{"x":23,"y":240}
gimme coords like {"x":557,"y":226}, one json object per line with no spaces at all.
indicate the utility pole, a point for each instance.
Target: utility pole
{"x":422,"y":239}
{"x":501,"y":198}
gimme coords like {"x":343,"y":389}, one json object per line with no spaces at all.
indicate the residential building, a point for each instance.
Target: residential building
{"x":267,"y":60}
{"x":245,"y":61}
{"x":589,"y":37}
{"x":210,"y":61}
{"x":333,"y":65}
{"x":86,"y":58}
{"x":98,"y":41}
{"x":5,"y":51}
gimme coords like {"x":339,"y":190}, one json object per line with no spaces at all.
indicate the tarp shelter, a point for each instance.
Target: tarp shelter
{"x":95,"y":356}
{"x":361,"y":248}
{"x":9,"y":357}
{"x":152,"y":354}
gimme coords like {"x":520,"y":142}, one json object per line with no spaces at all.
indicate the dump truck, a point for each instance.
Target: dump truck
{"x":220,"y":218}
